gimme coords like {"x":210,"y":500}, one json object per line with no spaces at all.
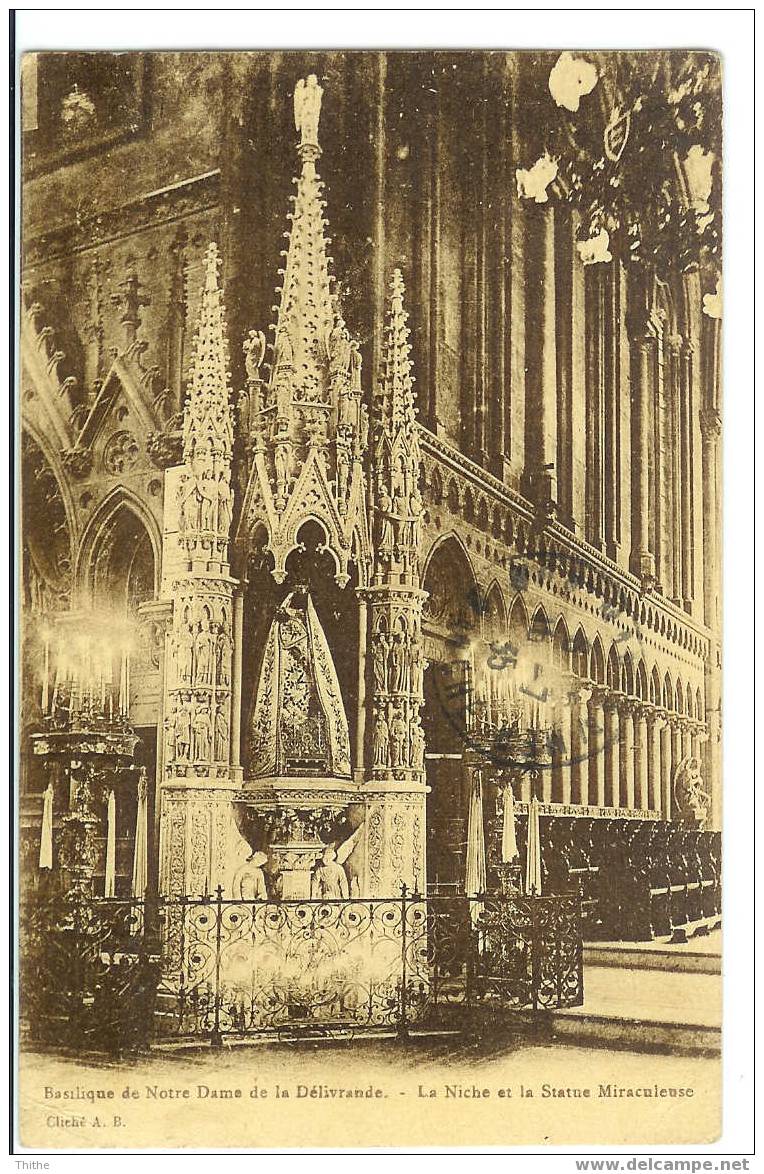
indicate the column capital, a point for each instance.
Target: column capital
{"x":613,"y":700}
{"x":578,"y":691}
{"x":599,"y":694}
{"x":710,"y":424}
{"x":655,"y":715}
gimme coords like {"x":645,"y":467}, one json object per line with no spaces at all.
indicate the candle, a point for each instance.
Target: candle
{"x":45,"y":672}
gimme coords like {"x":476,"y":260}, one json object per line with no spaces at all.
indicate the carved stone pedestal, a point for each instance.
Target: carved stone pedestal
{"x":200,"y":846}
{"x":394,"y":838}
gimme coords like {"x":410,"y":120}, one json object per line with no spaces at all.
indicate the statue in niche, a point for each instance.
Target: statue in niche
{"x":386,"y":532}
{"x":329,"y":881}
{"x":183,"y":732}
{"x":184,"y":644}
{"x":307,"y":109}
{"x":417,"y":667}
{"x":284,"y":351}
{"x":281,"y":455}
{"x":398,"y":733}
{"x":381,"y":740}
{"x":221,"y":735}
{"x":343,"y":473}
{"x":417,"y":746}
{"x":223,"y":647}
{"x":254,"y":353}
{"x":208,"y":491}
{"x":414,"y":520}
{"x":363,"y":428}
{"x":204,"y":652}
{"x":397,"y":661}
{"x":355,"y":369}
{"x":225,"y":500}
{"x":171,"y":735}
{"x":202,"y":734}
{"x":379,"y":662}
{"x":248,"y":882}
{"x":339,"y":350}
{"x":400,"y":519}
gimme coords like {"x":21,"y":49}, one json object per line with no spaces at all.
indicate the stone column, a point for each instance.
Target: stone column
{"x":236,"y":672}
{"x":579,"y":743}
{"x":676,"y":725}
{"x":710,"y":424}
{"x":597,"y":748}
{"x":655,"y":720}
{"x":612,"y":749}
{"x":626,"y":753}
{"x":687,"y":730}
{"x":641,"y":759}
{"x":360,"y":728}
{"x":642,"y":557}
{"x":561,"y":758}
{"x":666,"y":763}
{"x":541,"y":378}
{"x":687,"y":479}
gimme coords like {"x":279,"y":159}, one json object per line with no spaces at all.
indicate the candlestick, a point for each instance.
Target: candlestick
{"x":45,"y":672}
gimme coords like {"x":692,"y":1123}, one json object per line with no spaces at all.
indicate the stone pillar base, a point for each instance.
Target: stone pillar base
{"x":394,"y":838}
{"x":200,"y":845}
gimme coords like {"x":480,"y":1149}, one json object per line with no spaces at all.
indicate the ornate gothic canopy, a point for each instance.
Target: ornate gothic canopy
{"x":307,"y":424}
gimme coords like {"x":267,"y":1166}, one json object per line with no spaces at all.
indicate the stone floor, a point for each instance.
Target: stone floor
{"x":500,"y":1091}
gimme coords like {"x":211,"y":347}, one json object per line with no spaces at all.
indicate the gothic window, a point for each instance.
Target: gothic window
{"x":122,"y":571}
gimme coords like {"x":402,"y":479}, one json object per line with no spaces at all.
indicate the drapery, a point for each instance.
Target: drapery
{"x":533,"y":851}
{"x":111,"y":846}
{"x":140,"y":854}
{"x":46,"y":830}
{"x":508,"y":832}
{"x":297,"y":674}
{"x":475,"y":874}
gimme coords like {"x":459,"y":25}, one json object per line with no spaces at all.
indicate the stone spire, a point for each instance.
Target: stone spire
{"x":307,"y":424}
{"x":307,"y":319}
{"x":398,"y":398}
{"x":396,"y":455}
{"x":205,"y":498}
{"x":207,"y":419}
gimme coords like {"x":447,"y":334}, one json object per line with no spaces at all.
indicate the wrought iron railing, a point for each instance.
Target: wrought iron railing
{"x":213,"y":968}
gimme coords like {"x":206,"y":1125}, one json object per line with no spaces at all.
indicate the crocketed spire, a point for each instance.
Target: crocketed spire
{"x":307,"y":318}
{"x":207,"y":421}
{"x":397,"y":398}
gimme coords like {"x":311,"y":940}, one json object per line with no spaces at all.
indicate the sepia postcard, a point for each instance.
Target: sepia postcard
{"x":369,"y":561}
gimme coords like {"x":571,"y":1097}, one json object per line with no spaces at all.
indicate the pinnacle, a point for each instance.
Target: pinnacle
{"x":207,"y":416}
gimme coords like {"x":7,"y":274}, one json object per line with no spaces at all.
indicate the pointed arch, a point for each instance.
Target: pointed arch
{"x":561,"y":645}
{"x":113,"y":513}
{"x":518,"y":624}
{"x":597,"y":662}
{"x":689,"y":703}
{"x":641,"y":682}
{"x":494,"y":612}
{"x":699,"y":714}
{"x":580,"y":654}
{"x":679,"y":696}
{"x":627,"y":675}
{"x":449,"y":579}
{"x":436,"y":486}
{"x":540,"y":629}
{"x":668,"y":692}
{"x":613,"y":675}
{"x":655,"y":687}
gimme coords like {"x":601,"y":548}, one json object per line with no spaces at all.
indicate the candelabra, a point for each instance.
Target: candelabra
{"x":85,"y":737}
